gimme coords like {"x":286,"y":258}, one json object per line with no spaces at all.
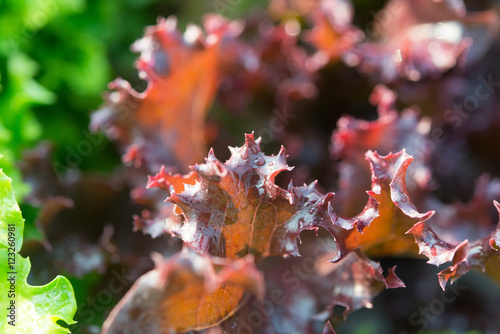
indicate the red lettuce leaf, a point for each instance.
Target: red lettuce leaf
{"x":385,"y":235}
{"x":355,"y":281}
{"x":464,"y":256}
{"x":186,"y":292}
{"x":391,"y":132}
{"x":164,"y":124}
{"x":235,"y":208}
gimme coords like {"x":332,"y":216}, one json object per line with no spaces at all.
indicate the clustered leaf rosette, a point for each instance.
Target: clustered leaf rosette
{"x":234,"y":210}
{"x":186,"y":72}
{"x":240,"y":230}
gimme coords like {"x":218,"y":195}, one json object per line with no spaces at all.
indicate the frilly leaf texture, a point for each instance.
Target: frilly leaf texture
{"x":463,"y":257}
{"x":396,"y":212}
{"x":235,"y":208}
{"x":164,"y":124}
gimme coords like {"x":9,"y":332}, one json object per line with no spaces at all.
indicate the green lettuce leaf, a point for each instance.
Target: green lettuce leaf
{"x":38,"y":309}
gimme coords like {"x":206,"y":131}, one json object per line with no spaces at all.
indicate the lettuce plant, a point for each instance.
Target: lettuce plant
{"x":283,"y":172}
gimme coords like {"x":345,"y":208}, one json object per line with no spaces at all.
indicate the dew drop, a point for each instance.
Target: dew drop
{"x":311,"y":210}
{"x":260,"y":161}
{"x":403,"y":200}
{"x":270,"y":163}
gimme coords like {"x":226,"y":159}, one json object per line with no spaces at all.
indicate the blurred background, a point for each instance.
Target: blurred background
{"x":56,"y":60}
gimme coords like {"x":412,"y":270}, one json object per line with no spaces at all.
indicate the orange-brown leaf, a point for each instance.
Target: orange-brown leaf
{"x":164,"y":124}
{"x":332,"y":32}
{"x":186,"y":292}
{"x":167,"y":181}
{"x":235,"y":208}
{"x":464,"y":256}
{"x":386,"y":233}
{"x":391,"y":132}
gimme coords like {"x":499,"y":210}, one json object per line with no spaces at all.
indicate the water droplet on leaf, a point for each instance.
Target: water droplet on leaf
{"x":260,"y":161}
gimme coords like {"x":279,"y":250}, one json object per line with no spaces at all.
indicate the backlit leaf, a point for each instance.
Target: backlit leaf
{"x":391,"y":132}
{"x":164,"y":124}
{"x":463,"y":256}
{"x":386,"y":233}
{"x":185,"y":292}
{"x":236,"y":208}
{"x":333,"y":32}
{"x":35,"y":309}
